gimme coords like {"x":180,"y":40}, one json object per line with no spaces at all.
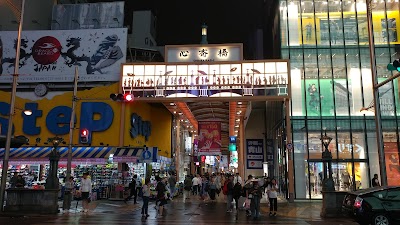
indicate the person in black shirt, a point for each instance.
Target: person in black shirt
{"x":132,"y":189}
{"x":375,"y":181}
{"x":161,"y":189}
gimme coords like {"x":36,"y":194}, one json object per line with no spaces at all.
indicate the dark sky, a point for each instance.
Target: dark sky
{"x":179,"y":21}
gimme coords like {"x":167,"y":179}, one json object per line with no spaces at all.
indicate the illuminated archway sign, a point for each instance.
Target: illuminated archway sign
{"x":207,"y":79}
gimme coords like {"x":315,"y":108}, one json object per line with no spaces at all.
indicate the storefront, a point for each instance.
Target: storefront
{"x":327,"y":44}
{"x":109,"y":125}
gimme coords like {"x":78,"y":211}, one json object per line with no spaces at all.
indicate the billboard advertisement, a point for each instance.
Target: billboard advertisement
{"x":51,"y":56}
{"x":88,"y":16}
{"x":392,"y":163}
{"x":255,"y":153}
{"x":209,"y":141}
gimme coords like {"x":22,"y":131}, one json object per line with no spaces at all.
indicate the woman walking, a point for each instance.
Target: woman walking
{"x":272,"y":191}
{"x":146,"y":196}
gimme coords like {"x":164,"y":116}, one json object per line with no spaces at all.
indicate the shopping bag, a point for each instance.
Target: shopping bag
{"x":246,"y":204}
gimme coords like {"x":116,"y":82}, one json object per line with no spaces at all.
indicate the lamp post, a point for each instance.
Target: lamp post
{"x":52,"y":179}
{"x":12,"y":105}
{"x":204,"y":34}
{"x":377,"y":110}
{"x":327,"y":183}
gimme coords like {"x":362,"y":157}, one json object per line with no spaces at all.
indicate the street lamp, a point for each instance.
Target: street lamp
{"x":12,"y":105}
{"x":52,"y":178}
{"x":204,"y":34}
{"x":327,"y":183}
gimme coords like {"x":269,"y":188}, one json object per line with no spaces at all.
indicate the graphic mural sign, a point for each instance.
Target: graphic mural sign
{"x":209,"y":140}
{"x":255,"y":153}
{"x":256,"y":78}
{"x":51,"y":56}
{"x":392,"y":163}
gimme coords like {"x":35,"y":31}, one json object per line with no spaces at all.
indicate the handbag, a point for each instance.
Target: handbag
{"x":250,"y":196}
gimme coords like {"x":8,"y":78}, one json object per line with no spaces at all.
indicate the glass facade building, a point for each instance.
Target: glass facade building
{"x":327,"y":44}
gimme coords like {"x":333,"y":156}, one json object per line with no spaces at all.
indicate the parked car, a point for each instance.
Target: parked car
{"x":376,"y":206}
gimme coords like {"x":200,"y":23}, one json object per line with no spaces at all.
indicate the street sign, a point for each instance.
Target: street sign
{"x":289,"y":146}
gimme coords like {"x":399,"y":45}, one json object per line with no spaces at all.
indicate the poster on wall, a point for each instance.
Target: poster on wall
{"x":51,"y":56}
{"x":255,"y":153}
{"x":209,"y":140}
{"x":319,"y":97}
{"x":392,"y":163}
{"x":332,"y":31}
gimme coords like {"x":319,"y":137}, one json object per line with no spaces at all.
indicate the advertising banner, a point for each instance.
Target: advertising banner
{"x":392,"y":163}
{"x":51,"y":56}
{"x":209,"y":142}
{"x":255,"y":153}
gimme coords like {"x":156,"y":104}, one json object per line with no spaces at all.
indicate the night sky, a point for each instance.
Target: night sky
{"x":179,"y":21}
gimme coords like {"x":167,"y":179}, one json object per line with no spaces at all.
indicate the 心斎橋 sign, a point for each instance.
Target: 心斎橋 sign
{"x":207,"y":79}
{"x":204,"y":53}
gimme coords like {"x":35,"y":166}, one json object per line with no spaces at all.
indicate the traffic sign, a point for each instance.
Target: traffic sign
{"x":289,"y":146}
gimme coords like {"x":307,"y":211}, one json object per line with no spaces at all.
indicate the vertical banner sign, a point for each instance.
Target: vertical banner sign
{"x":270,"y":155}
{"x":255,"y":153}
{"x":209,"y":141}
{"x":392,"y":163}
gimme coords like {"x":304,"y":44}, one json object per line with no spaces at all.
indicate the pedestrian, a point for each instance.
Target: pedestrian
{"x":13,"y":180}
{"x":187,"y":184}
{"x":20,"y":183}
{"x":237,"y":193}
{"x":237,"y":179}
{"x":375,"y":181}
{"x":161,"y":197}
{"x":272,"y":191}
{"x":146,"y":197}
{"x":132,"y":190}
{"x":229,"y":194}
{"x":86,"y":190}
{"x":172,"y":185}
{"x":204,"y":188}
{"x":69,"y":191}
{"x":196,"y":181}
{"x":248,"y":185}
{"x":255,"y":196}
{"x":218,"y":183}
{"x":212,"y":188}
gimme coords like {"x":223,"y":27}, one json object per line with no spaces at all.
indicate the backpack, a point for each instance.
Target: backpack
{"x":237,"y":190}
{"x":225,"y":188}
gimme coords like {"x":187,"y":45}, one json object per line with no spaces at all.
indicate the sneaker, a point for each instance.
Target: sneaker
{"x":147,"y":215}
{"x":270,"y":214}
{"x":275,"y":214}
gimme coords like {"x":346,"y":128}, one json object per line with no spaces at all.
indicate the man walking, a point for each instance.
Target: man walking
{"x":132,"y":190}
{"x":172,"y":184}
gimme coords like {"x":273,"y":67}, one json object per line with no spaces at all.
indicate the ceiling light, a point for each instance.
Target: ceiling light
{"x":174,"y":112}
{"x":180,"y":113}
{"x":236,"y":131}
{"x":237,"y":120}
{"x":239,"y":103}
{"x":237,"y":126}
{"x":171,"y":103}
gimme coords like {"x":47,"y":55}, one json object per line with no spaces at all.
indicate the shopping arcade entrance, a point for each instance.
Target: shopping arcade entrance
{"x":207,"y":91}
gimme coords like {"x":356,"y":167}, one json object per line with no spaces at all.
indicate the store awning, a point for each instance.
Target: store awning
{"x":148,"y":154}
{"x":41,"y":153}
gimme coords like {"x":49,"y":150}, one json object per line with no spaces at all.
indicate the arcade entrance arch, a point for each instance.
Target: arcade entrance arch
{"x":198,"y":92}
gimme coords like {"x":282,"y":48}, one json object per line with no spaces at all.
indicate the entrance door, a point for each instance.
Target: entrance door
{"x":314,"y":176}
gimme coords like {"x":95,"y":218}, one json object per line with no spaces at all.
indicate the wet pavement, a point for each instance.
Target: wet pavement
{"x":179,"y":211}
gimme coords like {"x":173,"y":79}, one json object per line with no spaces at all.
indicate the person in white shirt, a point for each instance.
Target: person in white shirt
{"x":85,"y":189}
{"x":272,"y":191}
{"x":196,"y":184}
{"x":146,"y":196}
{"x":237,"y":178}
